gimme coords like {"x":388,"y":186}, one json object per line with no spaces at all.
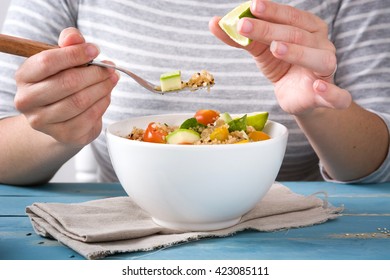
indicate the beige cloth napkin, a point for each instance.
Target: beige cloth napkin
{"x":96,"y":229}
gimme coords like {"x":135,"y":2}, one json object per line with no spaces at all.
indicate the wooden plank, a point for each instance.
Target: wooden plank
{"x":344,"y":190}
{"x":352,"y":205}
{"x":355,"y":235}
{"x":349,"y":237}
{"x":327,"y":241}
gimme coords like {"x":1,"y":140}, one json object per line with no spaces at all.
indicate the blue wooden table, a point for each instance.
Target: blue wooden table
{"x":362,"y":232}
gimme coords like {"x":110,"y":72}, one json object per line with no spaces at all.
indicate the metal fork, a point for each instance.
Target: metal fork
{"x":144,"y":83}
{"x":26,"y":48}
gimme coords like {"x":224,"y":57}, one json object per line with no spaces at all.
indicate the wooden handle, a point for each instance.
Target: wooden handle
{"x":22,"y":47}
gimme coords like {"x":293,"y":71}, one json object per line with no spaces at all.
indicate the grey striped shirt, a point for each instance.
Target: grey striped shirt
{"x":152,"y":37}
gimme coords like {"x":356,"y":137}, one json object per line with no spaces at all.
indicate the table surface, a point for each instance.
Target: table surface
{"x":362,"y":232}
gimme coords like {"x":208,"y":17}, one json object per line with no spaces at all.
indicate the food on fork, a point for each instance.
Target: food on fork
{"x":200,"y":79}
{"x":172,"y":81}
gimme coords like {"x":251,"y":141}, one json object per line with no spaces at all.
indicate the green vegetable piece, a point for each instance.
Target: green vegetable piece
{"x":191,"y":123}
{"x":170,"y":81}
{"x":182,"y":136}
{"x":225,"y":117}
{"x":238,"y":124}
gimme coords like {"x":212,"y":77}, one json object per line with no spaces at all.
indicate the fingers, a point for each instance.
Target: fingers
{"x":74,"y":104}
{"x":70,"y":36}
{"x":277,"y":22}
{"x":75,"y":119}
{"x":287,"y":15}
{"x":51,"y":62}
{"x":48,"y":63}
{"x":60,"y":86}
{"x":265,"y":32}
{"x":255,"y":48}
{"x":81,"y":129}
{"x":321,"y":62}
{"x":61,"y":96}
{"x":283,"y":23}
{"x":331,"y":96}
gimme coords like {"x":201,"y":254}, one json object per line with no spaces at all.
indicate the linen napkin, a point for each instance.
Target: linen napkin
{"x":96,"y":229}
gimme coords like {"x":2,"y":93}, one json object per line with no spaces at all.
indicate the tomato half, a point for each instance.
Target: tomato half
{"x":154,"y":134}
{"x":206,"y":116}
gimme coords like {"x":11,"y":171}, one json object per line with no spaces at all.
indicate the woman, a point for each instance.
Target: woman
{"x":339,"y":120}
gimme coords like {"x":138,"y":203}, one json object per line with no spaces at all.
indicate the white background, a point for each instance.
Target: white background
{"x":67,"y":172}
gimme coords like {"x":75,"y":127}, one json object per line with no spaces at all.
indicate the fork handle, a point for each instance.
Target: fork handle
{"x":22,"y":47}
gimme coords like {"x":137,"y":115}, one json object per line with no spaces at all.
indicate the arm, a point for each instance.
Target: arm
{"x":292,"y":49}
{"x":61,"y":105}
{"x":351,"y":143}
{"x":29,"y":156}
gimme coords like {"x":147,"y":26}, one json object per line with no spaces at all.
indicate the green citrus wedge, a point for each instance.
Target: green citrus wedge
{"x":229,"y":23}
{"x":257,"y":120}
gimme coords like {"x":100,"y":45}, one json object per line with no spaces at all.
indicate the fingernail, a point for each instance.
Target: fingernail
{"x":278,"y":48}
{"x":320,"y":86}
{"x":245,"y":26}
{"x":92,"y":51}
{"x":258,"y":6}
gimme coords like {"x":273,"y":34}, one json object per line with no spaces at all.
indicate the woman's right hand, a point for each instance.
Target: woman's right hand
{"x":61,"y":97}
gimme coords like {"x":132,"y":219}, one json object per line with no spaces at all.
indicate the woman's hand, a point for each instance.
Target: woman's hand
{"x":292,"y":49}
{"x":61,"y":97}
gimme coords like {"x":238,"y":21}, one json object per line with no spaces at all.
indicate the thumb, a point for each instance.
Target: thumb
{"x":70,"y":36}
{"x":331,"y":96}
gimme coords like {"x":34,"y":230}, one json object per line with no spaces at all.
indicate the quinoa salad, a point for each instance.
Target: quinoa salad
{"x":207,"y":127}
{"x":172,"y":81}
{"x":200,"y":79}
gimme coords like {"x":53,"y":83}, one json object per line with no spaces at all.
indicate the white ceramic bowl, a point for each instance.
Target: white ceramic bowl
{"x":194,"y":187}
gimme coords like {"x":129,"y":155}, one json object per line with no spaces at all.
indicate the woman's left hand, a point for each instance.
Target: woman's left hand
{"x":292,"y":49}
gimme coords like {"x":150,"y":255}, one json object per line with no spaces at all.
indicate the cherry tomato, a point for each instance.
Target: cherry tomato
{"x":154,"y":134}
{"x":206,"y":116}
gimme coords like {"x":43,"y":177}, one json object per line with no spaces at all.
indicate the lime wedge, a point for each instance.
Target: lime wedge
{"x":229,"y":22}
{"x":257,"y":120}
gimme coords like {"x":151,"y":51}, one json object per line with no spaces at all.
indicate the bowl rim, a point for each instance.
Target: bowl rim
{"x":110,"y":133}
